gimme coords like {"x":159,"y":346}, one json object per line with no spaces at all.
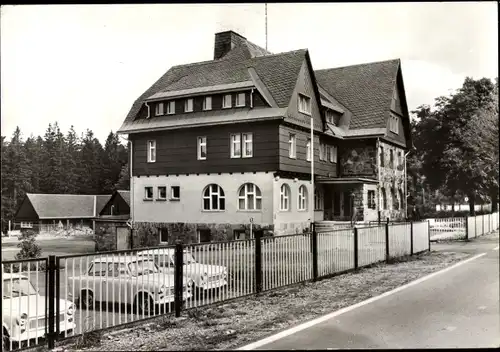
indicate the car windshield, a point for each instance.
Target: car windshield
{"x":143,"y":267}
{"x":17,"y":287}
{"x":188,"y":258}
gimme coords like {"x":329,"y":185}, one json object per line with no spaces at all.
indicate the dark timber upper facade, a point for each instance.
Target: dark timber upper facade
{"x":220,"y":143}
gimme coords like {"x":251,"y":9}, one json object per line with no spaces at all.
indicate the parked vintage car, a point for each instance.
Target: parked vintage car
{"x":205,"y":277}
{"x":24,"y":311}
{"x":129,"y":280}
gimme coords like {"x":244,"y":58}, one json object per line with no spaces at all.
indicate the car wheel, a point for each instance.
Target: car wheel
{"x":87,"y":300}
{"x":5,"y":342}
{"x":144,"y":304}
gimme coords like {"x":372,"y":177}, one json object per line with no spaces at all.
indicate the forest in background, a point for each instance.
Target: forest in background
{"x":59,"y":163}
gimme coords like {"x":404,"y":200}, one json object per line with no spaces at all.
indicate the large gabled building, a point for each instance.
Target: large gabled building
{"x":218,"y":144}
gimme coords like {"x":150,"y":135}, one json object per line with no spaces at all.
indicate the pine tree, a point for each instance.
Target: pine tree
{"x":72,"y":161}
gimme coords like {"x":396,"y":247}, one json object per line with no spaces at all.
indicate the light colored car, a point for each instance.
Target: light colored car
{"x":24,"y":311}
{"x":129,"y":280}
{"x":204,"y":276}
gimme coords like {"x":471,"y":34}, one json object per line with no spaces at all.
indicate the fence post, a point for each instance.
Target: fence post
{"x":466,"y":228}
{"x":429,"y":233}
{"x":411,"y":237}
{"x":51,"y":278}
{"x":314,"y":253}
{"x":258,"y":262}
{"x":387,"y":240}
{"x":356,"y":245}
{"x":482,"y":220}
{"x":475,"y":226}
{"x":178,"y":277}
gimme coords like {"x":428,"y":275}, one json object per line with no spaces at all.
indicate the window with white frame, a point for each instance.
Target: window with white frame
{"x":159,"y":109}
{"x":151,"y":151}
{"x":322,"y":151}
{"x":328,"y":152}
{"x":291,"y":145}
{"x":148,"y":193}
{"x":162,"y":193}
{"x":213,"y":198}
{"x":371,"y":200}
{"x":308,"y":150}
{"x":249,"y":197}
{"x":318,"y":198}
{"x":284,"y":197}
{"x":171,"y":107}
{"x":175,"y":193}
{"x":247,"y":140}
{"x":26,"y":225}
{"x":207,"y":103}
{"x":202,"y":148}
{"x":302,"y":199}
{"x":226,"y":101}
{"x":236,"y":145}
{"x":329,"y":116}
{"x":333,"y":154}
{"x":304,"y":104}
{"x":240,"y":99}
{"x":163,"y":234}
{"x":394,"y":123}
{"x":188,"y":105}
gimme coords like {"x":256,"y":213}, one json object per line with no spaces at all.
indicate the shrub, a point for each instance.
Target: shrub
{"x":29,"y":248}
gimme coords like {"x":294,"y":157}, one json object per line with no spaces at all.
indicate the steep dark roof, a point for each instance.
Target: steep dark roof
{"x":278,"y":72}
{"x":66,"y":206}
{"x":365,"y":89}
{"x":101,"y":202}
{"x":125,"y":195}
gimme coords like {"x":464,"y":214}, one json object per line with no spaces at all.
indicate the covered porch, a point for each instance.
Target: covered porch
{"x":348,"y":199}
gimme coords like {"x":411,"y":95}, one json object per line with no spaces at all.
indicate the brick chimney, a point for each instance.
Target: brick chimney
{"x":225,"y":42}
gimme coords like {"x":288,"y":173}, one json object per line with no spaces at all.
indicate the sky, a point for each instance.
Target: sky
{"x":84,"y":65}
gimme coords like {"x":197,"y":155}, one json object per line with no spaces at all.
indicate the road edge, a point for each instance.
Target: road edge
{"x":328,"y":316}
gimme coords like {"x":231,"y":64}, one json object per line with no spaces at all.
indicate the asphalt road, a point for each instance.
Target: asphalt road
{"x":458,"y":308}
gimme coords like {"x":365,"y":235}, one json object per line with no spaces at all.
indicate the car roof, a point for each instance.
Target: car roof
{"x":10,"y":276}
{"x":160,"y":251}
{"x":117,"y":259}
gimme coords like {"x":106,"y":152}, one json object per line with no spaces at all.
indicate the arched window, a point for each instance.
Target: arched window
{"x":318,"y":198}
{"x":213,"y":198}
{"x":249,"y":197}
{"x":284,"y":197}
{"x":384,"y":198}
{"x":302,"y":198}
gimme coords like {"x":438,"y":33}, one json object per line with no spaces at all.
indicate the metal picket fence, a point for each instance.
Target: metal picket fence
{"x":88,"y":292}
{"x":463,"y":228}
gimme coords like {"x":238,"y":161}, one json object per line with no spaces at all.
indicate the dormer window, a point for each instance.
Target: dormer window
{"x":304,"y":104}
{"x":329,"y":116}
{"x":159,"y":109}
{"x":188,"y":105}
{"x":171,"y":108}
{"x":226,"y":101}
{"x":207,"y":103}
{"x":240,"y":99}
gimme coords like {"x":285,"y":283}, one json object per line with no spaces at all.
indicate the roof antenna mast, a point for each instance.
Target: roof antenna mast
{"x":266,"y":26}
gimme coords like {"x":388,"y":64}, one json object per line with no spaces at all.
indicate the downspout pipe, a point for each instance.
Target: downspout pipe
{"x":378,"y":177}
